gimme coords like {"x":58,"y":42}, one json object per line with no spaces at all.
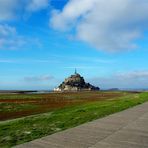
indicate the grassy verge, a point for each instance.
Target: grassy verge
{"x":26,"y":129}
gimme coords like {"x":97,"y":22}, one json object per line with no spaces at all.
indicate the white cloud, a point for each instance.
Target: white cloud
{"x":6,"y":30}
{"x":11,"y":9}
{"x":110,"y":25}
{"x":38,"y":78}
{"x":133,"y":79}
{"x":10,"y":39}
{"x":7,"y":34}
{"x":35,"y":5}
{"x":19,"y":84}
{"x":134,"y":74}
{"x":8,"y":9}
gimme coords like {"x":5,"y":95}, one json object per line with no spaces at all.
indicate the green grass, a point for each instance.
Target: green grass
{"x":20,"y":96}
{"x":15,"y":107}
{"x":18,"y":131}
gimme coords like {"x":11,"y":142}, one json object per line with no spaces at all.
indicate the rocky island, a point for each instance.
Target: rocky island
{"x":75,"y":83}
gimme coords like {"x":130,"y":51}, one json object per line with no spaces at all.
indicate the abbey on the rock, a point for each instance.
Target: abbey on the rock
{"x":75,"y":83}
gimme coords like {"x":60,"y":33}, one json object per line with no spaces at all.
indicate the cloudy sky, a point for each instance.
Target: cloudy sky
{"x":43,"y":41}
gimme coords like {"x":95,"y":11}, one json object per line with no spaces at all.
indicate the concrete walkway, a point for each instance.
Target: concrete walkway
{"x":126,"y":129}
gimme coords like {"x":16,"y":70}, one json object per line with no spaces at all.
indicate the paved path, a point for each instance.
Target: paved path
{"x":126,"y":129}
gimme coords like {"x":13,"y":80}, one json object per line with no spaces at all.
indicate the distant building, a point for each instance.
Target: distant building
{"x":75,"y":83}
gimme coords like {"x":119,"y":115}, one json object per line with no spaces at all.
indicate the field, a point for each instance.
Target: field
{"x":20,"y":105}
{"x":24,"y":117}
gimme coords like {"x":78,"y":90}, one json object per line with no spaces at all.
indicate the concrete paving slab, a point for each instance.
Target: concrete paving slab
{"x":128,"y":137}
{"x":119,"y":145}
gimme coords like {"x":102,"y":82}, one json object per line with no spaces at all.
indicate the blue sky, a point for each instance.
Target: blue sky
{"x":43,"y":41}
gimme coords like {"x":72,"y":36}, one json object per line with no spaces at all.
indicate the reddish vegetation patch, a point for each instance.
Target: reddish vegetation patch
{"x":52,"y":101}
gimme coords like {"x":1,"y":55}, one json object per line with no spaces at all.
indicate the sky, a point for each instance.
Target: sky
{"x":43,"y":41}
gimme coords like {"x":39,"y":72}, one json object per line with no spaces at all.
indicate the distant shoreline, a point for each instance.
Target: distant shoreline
{"x":51,"y":91}
{"x":24,"y":91}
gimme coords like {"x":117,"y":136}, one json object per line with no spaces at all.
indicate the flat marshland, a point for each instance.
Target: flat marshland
{"x":24,"y":117}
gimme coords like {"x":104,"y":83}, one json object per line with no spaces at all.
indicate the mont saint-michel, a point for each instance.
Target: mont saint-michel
{"x":75,"y":83}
